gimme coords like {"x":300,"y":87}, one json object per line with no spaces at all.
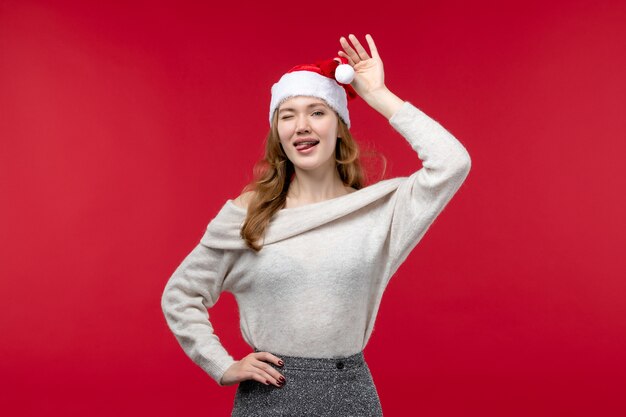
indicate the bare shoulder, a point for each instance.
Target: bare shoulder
{"x":243,"y":199}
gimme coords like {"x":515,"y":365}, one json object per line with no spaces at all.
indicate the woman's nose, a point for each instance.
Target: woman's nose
{"x":302,"y":124}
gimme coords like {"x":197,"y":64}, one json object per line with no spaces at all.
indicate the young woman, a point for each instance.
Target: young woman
{"x":308,"y":249}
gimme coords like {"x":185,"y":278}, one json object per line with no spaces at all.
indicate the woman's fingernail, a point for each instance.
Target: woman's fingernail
{"x":267,"y":382}
{"x":281,"y":363}
{"x":282,"y":378}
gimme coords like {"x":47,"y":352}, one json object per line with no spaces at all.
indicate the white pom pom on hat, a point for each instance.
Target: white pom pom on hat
{"x":328,"y":80}
{"x":344,"y":73}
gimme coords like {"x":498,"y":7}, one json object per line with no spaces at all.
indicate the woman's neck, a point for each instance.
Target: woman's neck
{"x":312,"y":187}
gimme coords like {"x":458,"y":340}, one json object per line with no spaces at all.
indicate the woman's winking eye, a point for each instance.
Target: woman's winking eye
{"x":320,"y":112}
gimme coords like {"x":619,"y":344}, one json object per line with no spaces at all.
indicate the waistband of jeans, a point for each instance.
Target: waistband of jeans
{"x":337,"y":363}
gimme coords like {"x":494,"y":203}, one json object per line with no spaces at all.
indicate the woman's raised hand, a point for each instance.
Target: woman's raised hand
{"x":369,"y":75}
{"x":254,"y":366}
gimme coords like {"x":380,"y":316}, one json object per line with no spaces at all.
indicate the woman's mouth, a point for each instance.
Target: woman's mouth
{"x":305,"y":146}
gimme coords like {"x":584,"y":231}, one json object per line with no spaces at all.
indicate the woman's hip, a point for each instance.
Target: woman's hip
{"x":314,"y":386}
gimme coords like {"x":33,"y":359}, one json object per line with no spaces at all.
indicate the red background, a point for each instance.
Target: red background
{"x":124,"y":127}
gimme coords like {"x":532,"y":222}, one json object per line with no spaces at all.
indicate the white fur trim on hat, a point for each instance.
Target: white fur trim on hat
{"x":308,"y":83}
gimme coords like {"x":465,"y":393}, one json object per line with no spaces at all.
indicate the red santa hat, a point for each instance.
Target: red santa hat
{"x":328,"y":80}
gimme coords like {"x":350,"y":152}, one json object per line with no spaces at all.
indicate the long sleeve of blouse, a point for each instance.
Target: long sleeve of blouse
{"x":379,"y":225}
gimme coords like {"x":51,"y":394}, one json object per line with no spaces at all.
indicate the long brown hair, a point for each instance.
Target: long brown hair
{"x":273,"y":174}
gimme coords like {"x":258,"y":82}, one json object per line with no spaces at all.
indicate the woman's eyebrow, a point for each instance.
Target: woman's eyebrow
{"x":308,"y":107}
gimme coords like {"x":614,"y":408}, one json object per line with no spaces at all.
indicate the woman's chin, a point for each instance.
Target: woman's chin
{"x":309,"y":165}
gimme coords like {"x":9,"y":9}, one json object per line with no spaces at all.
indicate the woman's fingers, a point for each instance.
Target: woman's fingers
{"x":268,"y":357}
{"x":358,"y":53}
{"x":363,"y":55}
{"x":267,"y":371}
{"x":343,"y":54}
{"x":372,"y":45}
{"x":352,"y":55}
{"x":258,"y":376}
{"x":254,"y":366}
{"x":264,"y":377}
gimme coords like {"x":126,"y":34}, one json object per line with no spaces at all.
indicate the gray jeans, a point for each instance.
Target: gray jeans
{"x":315,"y":387}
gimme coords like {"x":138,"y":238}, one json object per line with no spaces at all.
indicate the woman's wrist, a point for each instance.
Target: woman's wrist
{"x":384,"y":101}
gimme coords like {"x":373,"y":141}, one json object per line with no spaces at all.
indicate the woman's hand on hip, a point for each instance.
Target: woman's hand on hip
{"x":254,"y":366}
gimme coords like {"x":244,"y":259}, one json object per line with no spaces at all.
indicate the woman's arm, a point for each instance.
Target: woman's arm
{"x":424,"y":194}
{"x":445,"y":162}
{"x":193,"y":288}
